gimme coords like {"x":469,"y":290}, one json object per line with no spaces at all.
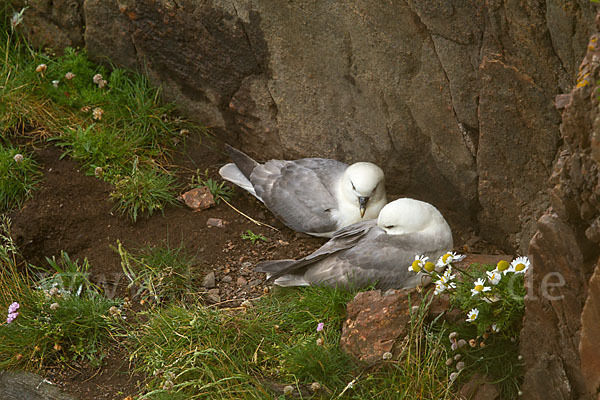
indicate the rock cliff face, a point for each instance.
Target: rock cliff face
{"x":452,"y":99}
{"x":562,"y":317}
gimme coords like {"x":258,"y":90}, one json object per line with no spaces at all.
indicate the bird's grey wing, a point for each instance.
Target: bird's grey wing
{"x":342,"y":240}
{"x":379,"y":259}
{"x":300,"y":193}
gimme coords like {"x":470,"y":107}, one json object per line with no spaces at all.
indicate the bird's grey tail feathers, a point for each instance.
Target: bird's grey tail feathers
{"x":245,"y":164}
{"x":277,"y":272}
{"x":230,"y":172}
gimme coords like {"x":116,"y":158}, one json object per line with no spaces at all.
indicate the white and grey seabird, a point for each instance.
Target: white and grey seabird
{"x":316,"y":196}
{"x":375,"y":252}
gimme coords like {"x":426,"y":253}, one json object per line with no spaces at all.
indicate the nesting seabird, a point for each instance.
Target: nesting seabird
{"x":371,"y":252}
{"x":316,"y":196}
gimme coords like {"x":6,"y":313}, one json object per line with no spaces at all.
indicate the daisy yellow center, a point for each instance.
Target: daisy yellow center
{"x":416,"y":265}
{"x":445,"y":257}
{"x":472,"y":317}
{"x":502,"y":265}
{"x":479,"y":288}
{"x":429,"y":266}
{"x":519,"y":267}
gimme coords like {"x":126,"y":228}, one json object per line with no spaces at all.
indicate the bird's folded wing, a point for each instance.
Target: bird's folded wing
{"x":382,"y":260}
{"x":300,"y":193}
{"x":343,"y":239}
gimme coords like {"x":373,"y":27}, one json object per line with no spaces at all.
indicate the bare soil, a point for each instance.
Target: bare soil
{"x":72,"y":212}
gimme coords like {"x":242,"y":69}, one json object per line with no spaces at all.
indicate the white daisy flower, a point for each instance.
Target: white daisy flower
{"x":494,"y":277}
{"x":439,"y":288}
{"x":495,"y":328}
{"x":449,"y":258}
{"x":472,"y":315}
{"x":448,"y":275}
{"x":479,"y":287}
{"x":519,"y":265}
{"x":502,"y":266}
{"x":418,"y":264}
{"x":429,"y":266}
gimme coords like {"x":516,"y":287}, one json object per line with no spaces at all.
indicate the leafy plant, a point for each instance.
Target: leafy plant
{"x":491,"y":298}
{"x":159,"y":274}
{"x":50,"y":322}
{"x":143,"y":192}
{"x":219,"y":190}
{"x":68,"y":277}
{"x":97,"y":146}
{"x":19,"y":174}
{"x":253,"y":237}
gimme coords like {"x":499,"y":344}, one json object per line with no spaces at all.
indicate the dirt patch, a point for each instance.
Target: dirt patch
{"x":72,"y":212}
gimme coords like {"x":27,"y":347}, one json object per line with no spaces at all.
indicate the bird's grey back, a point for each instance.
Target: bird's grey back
{"x":301,"y":193}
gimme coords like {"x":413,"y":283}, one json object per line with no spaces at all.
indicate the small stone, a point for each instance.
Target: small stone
{"x":241,"y":281}
{"x":215,"y":222}
{"x":462,"y":343}
{"x":288,"y":390}
{"x":213,"y":296}
{"x":315,"y":386}
{"x":255,"y":282}
{"x":460,"y":365}
{"x":387,"y":355}
{"x":209,"y":280}
{"x":226,"y":279}
{"x":198,"y":199}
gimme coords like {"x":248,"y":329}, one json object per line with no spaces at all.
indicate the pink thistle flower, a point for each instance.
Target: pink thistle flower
{"x":11,"y":317}
{"x":13,"y":307}
{"x":320,"y":327}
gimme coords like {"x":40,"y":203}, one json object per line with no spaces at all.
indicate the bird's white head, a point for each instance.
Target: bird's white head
{"x":406,"y":215}
{"x":363,"y":184}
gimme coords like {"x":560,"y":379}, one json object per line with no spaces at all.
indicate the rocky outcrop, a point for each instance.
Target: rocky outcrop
{"x":452,"y":99}
{"x":20,"y":385}
{"x":53,"y":24}
{"x":375,"y":322}
{"x":562,"y":301}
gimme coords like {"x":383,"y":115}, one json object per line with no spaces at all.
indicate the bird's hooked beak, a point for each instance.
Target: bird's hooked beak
{"x":362,"y":202}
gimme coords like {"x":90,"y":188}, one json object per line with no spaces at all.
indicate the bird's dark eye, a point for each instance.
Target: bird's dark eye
{"x":353,"y":188}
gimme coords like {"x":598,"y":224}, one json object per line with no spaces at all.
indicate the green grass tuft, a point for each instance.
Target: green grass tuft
{"x":159,"y":274}
{"x":199,"y":352}
{"x":19,"y":174}
{"x":62,"y":318}
{"x":143,"y":192}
